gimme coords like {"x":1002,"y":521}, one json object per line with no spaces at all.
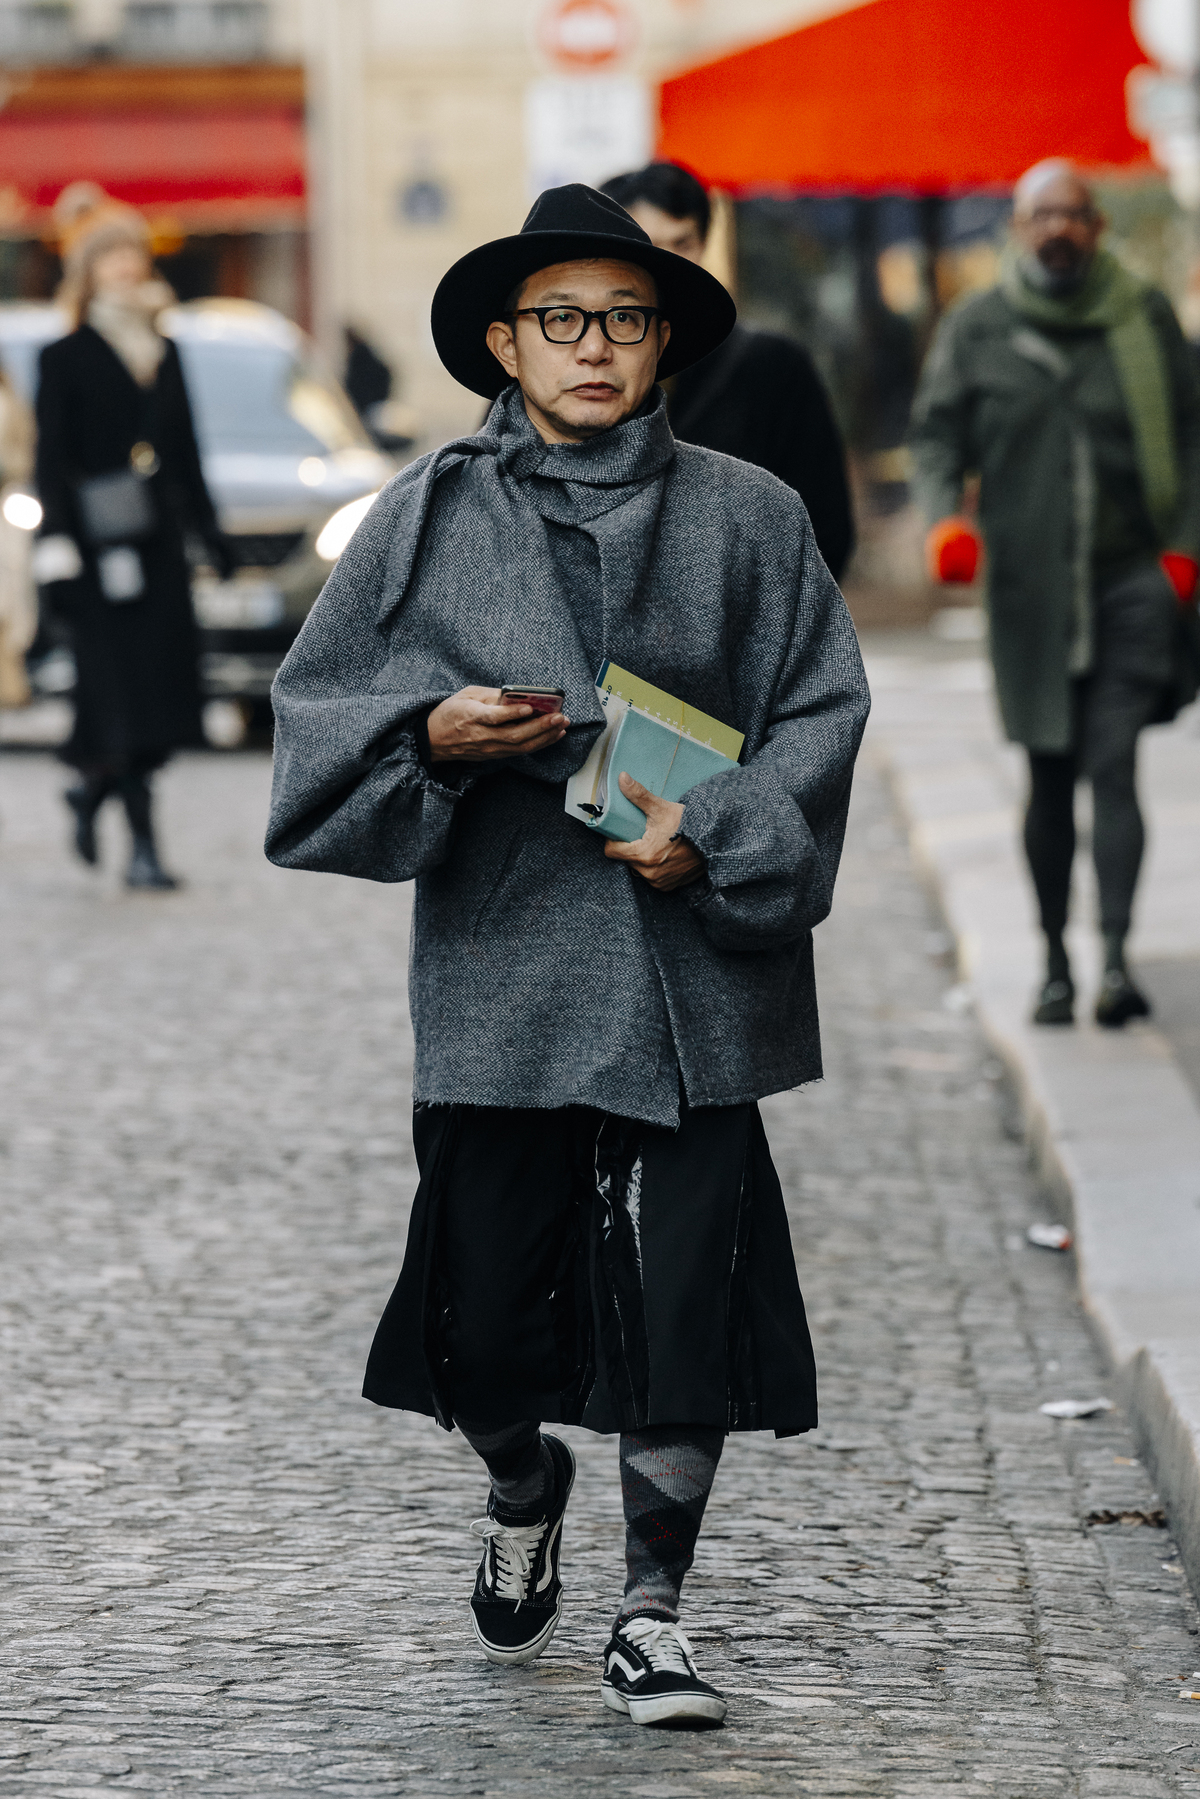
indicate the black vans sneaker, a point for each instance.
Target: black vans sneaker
{"x":517,"y":1600}
{"x":649,"y":1673}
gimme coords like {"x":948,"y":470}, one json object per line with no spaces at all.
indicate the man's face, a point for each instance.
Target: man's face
{"x":1058,"y":224}
{"x":666,"y":233}
{"x":574,"y":390}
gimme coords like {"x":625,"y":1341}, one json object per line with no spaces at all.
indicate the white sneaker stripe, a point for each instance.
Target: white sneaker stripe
{"x":548,"y":1570}
{"x":618,"y":1661}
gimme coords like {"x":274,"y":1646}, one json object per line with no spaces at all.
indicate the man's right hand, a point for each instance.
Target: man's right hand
{"x":471,"y":726}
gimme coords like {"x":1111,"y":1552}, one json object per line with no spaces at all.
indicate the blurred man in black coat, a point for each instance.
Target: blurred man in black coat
{"x":758,"y":396}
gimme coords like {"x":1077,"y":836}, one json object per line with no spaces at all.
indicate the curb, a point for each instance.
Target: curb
{"x":1112,"y":1126}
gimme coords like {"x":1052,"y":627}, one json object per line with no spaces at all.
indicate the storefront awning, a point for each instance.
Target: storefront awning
{"x":917,"y":96}
{"x":212,"y":154}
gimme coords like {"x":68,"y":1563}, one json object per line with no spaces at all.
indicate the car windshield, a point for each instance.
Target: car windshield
{"x":261,"y":397}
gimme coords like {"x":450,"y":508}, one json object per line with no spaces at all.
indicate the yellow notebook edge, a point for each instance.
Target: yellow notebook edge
{"x":644,"y":697}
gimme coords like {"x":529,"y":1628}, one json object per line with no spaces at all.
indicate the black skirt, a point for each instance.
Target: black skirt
{"x":573,"y":1267}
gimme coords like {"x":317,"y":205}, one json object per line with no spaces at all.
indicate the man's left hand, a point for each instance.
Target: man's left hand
{"x":659,"y":855}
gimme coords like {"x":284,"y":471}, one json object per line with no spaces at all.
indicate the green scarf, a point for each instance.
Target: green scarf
{"x":1111,"y":300}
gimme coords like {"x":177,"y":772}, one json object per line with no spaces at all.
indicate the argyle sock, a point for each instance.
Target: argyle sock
{"x":518,"y":1465}
{"x":667,"y":1474}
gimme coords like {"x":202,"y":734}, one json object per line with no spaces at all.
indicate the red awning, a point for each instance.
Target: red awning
{"x":214,"y":149}
{"x":197,"y":164}
{"x":911,"y":95}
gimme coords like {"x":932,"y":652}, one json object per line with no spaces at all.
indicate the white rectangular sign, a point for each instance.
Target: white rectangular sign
{"x":585,"y":128}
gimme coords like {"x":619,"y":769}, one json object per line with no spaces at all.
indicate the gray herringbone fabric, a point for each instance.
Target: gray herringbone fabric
{"x":541,"y":973}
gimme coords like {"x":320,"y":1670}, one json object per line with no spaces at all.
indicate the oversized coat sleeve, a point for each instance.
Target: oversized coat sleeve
{"x":182,"y":453}
{"x":53,"y":467}
{"x":350,"y":794}
{"x":771,"y":830}
{"x":941,"y":429}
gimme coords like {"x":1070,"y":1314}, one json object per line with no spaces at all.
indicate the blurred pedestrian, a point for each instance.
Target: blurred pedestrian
{"x":1070,"y":391}
{"x":368,"y":378}
{"x":18,"y":615}
{"x":757,"y":395}
{"x":599,"y":1236}
{"x":119,"y":477}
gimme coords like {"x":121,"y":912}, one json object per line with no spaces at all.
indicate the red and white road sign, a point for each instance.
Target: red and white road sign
{"x":586,"y":34}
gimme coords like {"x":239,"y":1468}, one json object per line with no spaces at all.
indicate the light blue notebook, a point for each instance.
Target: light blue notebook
{"x":639,"y":741}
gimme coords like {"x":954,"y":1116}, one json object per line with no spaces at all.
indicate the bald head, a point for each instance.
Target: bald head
{"x":1056,"y":176}
{"x":1056,"y":224}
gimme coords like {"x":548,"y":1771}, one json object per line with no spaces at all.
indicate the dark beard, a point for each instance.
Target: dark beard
{"x":1058,"y":283}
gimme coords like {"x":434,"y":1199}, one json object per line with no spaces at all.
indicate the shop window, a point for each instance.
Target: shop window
{"x":195,"y":30}
{"x":40,"y":31}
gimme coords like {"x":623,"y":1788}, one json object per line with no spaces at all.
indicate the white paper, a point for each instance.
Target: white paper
{"x":121,"y":573}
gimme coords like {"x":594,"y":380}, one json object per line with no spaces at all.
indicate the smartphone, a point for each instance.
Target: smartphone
{"x":542,"y":699}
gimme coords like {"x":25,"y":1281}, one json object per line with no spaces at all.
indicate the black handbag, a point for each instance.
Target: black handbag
{"x":119,"y":507}
{"x":116,"y":508}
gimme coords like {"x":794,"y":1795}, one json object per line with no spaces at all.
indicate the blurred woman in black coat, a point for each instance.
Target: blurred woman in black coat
{"x":112,"y":403}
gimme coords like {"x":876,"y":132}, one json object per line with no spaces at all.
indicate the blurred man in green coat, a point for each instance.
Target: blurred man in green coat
{"x":1069,"y":391}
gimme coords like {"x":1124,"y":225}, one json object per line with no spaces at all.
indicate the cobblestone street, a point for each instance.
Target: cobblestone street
{"x":228,"y":1575}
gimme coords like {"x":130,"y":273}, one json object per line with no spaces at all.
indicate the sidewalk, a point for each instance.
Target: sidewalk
{"x":1113,"y":1118}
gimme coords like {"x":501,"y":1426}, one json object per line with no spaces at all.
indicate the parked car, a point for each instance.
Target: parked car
{"x":289,"y":464}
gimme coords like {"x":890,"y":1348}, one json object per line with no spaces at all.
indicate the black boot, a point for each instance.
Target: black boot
{"x":85,"y":802}
{"x":145,"y":870}
{"x":1056,"y":1002}
{"x":1120,"y":1000}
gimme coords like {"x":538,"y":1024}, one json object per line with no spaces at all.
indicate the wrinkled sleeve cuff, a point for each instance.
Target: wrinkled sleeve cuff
{"x":420,"y":731}
{"x":449,"y":778}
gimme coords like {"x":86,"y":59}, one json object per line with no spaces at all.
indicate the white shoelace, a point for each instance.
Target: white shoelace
{"x":664,"y":1645}
{"x":515,"y":1548}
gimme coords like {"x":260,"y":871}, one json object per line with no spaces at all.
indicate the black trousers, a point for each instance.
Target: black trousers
{"x":1134,"y":631}
{"x":571,"y":1266}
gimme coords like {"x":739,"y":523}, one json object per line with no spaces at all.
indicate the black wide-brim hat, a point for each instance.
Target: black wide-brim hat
{"x":571,"y":224}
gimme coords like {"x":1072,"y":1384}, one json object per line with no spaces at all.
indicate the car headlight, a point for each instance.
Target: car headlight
{"x":22,"y":510}
{"x":338,"y":530}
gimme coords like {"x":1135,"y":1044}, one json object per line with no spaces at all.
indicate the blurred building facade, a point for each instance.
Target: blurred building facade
{"x":192,"y":110}
{"x":432,"y":128}
{"x":333,"y":157}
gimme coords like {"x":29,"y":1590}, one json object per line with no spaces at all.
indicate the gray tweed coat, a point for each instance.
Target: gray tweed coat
{"x":542,"y":974}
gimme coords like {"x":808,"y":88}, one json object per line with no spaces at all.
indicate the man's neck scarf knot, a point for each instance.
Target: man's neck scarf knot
{"x":625,"y":456}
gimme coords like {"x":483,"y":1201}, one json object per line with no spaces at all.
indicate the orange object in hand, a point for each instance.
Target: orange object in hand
{"x":952,"y":551}
{"x":1182,"y":572}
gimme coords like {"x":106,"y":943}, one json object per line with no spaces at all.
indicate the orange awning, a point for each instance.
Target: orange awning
{"x":911,"y":95}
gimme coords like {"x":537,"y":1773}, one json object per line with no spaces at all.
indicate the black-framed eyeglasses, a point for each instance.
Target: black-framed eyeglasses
{"x":568,"y":324}
{"x":1073,"y":215}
